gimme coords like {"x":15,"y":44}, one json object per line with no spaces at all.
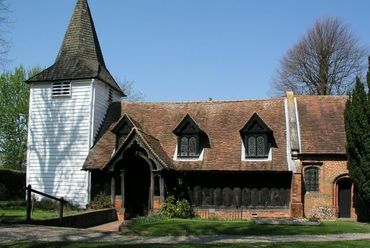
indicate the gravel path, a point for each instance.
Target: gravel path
{"x":29,"y":233}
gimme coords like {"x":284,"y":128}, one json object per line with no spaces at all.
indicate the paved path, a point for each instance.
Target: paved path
{"x":29,"y":233}
{"x":108,"y":227}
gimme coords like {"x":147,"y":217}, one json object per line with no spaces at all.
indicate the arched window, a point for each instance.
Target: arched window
{"x":192,"y":146}
{"x":184,"y":147}
{"x":311,"y":179}
{"x":261,"y":145}
{"x":189,"y":146}
{"x":257,"y":146}
{"x":251,"y":146}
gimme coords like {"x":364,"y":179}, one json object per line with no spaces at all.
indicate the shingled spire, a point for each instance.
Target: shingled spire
{"x":80,"y":56}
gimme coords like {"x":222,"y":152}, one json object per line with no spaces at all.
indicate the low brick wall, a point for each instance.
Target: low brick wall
{"x":240,"y":214}
{"x":84,"y":220}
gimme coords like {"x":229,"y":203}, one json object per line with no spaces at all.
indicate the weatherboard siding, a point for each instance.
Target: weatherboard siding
{"x":101,"y":104}
{"x":59,"y":141}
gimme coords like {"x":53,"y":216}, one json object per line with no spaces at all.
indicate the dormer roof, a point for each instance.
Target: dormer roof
{"x":255,"y":125}
{"x":187,"y":126}
{"x":80,"y":56}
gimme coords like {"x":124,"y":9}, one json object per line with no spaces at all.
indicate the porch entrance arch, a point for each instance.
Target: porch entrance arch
{"x":134,"y":174}
{"x":137,"y":183}
{"x":137,"y":187}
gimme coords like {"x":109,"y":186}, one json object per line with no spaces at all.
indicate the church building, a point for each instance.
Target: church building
{"x":280,"y":157}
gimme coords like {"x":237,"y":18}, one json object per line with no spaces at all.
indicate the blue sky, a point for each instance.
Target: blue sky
{"x":183,"y":50}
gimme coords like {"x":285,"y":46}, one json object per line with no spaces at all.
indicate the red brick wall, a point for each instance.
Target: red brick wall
{"x":240,"y":214}
{"x":156,"y":203}
{"x":118,"y":202}
{"x":326,"y":198}
{"x":296,"y":206}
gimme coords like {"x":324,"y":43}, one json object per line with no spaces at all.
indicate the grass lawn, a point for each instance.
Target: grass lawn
{"x":160,"y":227}
{"x":338,"y":244}
{"x":15,"y":212}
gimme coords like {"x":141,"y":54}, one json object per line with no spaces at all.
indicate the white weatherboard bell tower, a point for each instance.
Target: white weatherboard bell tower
{"x":68,"y":103}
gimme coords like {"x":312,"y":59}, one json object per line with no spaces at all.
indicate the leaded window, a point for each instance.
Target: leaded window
{"x":184,"y":147}
{"x":193,"y":146}
{"x":251,"y":146}
{"x":257,"y":146}
{"x":189,"y":146}
{"x":311,"y":179}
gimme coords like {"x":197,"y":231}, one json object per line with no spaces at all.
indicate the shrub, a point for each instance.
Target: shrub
{"x":172,"y":208}
{"x":45,"y":204}
{"x":13,"y":204}
{"x":183,"y":209}
{"x":49,"y":204}
{"x":3,"y":192}
{"x":100,"y":201}
{"x":13,"y":183}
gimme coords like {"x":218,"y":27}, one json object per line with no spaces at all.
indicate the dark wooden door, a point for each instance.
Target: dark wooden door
{"x":137,"y":184}
{"x":344,"y":198}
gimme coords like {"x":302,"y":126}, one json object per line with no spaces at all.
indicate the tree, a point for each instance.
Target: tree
{"x":4,"y":10}
{"x":14,"y":95}
{"x":128,"y":89}
{"x":357,"y":124}
{"x":324,"y":62}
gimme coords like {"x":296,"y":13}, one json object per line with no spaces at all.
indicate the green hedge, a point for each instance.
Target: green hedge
{"x":12,"y":184}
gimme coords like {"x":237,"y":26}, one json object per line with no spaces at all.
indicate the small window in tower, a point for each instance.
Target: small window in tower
{"x":110,"y":96}
{"x":61,"y":89}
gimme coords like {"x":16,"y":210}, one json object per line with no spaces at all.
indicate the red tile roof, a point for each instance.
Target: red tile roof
{"x":321,"y":120}
{"x":321,"y":124}
{"x":221,"y":120}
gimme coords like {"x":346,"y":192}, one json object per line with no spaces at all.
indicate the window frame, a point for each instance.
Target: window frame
{"x":188,"y":137}
{"x":308,"y":178}
{"x":266,"y":144}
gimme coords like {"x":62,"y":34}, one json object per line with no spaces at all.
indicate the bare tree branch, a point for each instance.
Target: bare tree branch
{"x":4,"y":46}
{"x":131,"y":94}
{"x":324,"y":62}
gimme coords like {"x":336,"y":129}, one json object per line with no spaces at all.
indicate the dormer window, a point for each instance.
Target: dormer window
{"x":61,"y":89}
{"x":190,"y":138}
{"x":189,"y":146}
{"x":122,"y":129}
{"x":257,"y":138}
{"x":257,"y":145}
